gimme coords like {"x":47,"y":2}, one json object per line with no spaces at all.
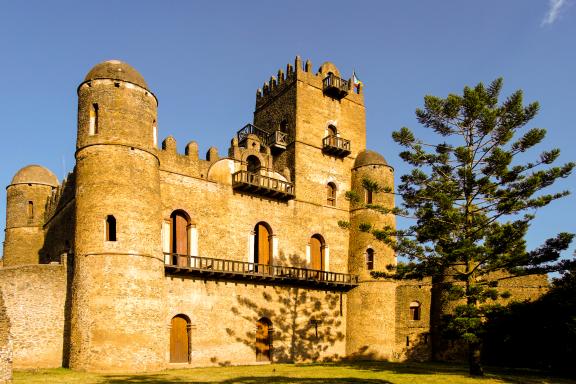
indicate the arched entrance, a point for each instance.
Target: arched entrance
{"x":263,"y":245}
{"x":317,"y":252}
{"x":264,"y":339}
{"x":180,"y":339}
{"x":179,"y":239}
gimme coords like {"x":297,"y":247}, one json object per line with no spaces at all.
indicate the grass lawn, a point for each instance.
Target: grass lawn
{"x":339,"y":373}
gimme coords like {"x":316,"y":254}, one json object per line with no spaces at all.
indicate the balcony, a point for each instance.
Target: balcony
{"x":221,"y":269}
{"x":276,"y":140}
{"x":257,"y":184}
{"x":334,"y":86}
{"x":336,"y":146}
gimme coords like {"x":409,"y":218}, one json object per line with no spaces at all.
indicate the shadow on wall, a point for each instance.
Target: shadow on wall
{"x":305,"y":323}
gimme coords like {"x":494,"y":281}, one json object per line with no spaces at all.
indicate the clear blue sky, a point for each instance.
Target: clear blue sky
{"x":205,"y":59}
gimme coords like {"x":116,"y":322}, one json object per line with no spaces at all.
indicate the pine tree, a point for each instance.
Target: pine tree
{"x":473,"y":196}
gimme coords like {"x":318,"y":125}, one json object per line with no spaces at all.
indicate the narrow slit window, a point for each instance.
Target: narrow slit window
{"x":94,"y":119}
{"x":155,"y":133}
{"x":369,"y":259}
{"x":110,"y":228}
{"x":30,"y":210}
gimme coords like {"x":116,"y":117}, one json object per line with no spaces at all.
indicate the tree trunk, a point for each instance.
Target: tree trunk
{"x":437,"y":306}
{"x":474,"y":363}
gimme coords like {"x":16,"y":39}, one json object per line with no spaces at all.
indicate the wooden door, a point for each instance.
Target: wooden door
{"x":180,"y":238}
{"x":179,"y":341}
{"x":262,"y":245}
{"x":316,"y":254}
{"x":263,"y":340}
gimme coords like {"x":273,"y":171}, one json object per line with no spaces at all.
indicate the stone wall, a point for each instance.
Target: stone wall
{"x":412,"y":336}
{"x":34,"y":297}
{"x":223,"y":319}
{"x":5,"y":344}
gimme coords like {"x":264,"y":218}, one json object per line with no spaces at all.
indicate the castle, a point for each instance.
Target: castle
{"x":144,"y":258}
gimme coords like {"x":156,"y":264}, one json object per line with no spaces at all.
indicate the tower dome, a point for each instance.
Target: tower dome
{"x":368,"y":157}
{"x":35,"y":174}
{"x":116,"y":70}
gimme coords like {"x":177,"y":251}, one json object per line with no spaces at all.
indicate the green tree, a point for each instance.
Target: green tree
{"x":473,"y":195}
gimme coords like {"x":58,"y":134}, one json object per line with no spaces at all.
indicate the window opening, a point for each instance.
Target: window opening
{"x":331,"y":194}
{"x":367,"y":196}
{"x":369,"y":259}
{"x":94,"y":119}
{"x":110,"y":228}
{"x":415,"y":310}
{"x":30,"y":209}
{"x":284,"y":126}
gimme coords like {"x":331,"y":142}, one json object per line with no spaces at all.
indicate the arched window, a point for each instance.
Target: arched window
{"x":317,"y":247}
{"x":264,"y":339}
{"x":180,"y":339}
{"x":110,"y":228}
{"x":93,"y":127}
{"x":253,"y":164}
{"x":414,"y":310}
{"x":367,"y":196}
{"x":263,"y":246}
{"x":332,"y":131}
{"x":179,"y":237}
{"x":369,"y":259}
{"x":331,"y":194}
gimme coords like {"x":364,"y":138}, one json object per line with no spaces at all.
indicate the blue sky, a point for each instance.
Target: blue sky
{"x":205,"y":59}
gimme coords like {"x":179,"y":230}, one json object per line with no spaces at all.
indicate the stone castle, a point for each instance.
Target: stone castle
{"x":144,"y":258}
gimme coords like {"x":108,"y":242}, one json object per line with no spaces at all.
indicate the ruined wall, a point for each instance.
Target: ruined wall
{"x":224,"y":314}
{"x":412,"y":336}
{"x":34,"y":296}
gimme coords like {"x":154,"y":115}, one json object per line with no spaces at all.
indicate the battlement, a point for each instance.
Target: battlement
{"x":326,"y":78}
{"x":60,"y":196}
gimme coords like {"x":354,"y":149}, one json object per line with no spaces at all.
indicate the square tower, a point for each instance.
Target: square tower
{"x":321,"y":119}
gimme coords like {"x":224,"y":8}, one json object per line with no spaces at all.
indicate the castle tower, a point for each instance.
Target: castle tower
{"x":27,"y":195}
{"x":323,"y":117}
{"x":371,"y":314}
{"x":117,"y":310}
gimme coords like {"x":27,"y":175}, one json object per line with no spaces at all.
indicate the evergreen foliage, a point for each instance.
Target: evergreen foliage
{"x":473,"y":195}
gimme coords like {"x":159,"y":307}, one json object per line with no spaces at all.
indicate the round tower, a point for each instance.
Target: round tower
{"x":117,"y":318}
{"x":371,"y":305}
{"x":26,"y":198}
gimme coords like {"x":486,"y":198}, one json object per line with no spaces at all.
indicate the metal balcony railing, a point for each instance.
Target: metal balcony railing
{"x":242,"y":270}
{"x":334,"y":86}
{"x":258,"y":184}
{"x":335,"y":145}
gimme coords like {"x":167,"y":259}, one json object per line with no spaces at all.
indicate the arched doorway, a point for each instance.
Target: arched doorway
{"x":179,"y":239}
{"x":317,"y":252}
{"x":264,"y":339}
{"x":180,"y":339}
{"x":263,"y":246}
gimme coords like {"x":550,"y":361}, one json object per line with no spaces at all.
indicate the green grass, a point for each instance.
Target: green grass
{"x":340,"y":373}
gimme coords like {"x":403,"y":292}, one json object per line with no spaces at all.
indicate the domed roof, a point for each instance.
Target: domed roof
{"x":368,"y":157}
{"x":116,"y":70}
{"x":35,"y":174}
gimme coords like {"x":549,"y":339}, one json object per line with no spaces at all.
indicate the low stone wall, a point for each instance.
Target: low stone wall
{"x":34,"y":298}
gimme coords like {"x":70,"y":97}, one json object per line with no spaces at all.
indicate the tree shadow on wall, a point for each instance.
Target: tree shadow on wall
{"x":306,"y":323}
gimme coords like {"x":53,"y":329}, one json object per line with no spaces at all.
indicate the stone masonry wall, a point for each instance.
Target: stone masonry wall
{"x":34,"y":296}
{"x":5,"y":345}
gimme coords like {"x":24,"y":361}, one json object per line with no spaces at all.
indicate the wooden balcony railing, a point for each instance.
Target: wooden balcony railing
{"x":336,"y":146}
{"x":334,"y":86}
{"x":258,"y":184}
{"x":275,"y":139}
{"x":242,"y":270}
